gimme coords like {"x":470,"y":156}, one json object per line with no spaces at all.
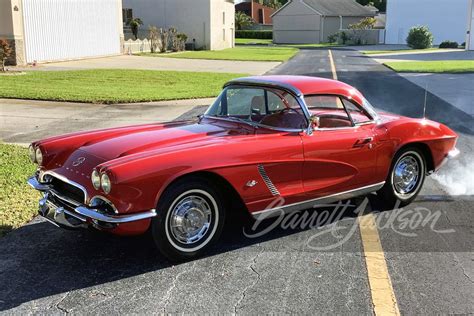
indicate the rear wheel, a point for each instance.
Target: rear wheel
{"x":191,"y":215}
{"x":406,"y":178}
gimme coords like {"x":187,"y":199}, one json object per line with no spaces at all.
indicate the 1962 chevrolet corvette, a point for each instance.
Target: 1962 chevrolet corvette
{"x":300,"y":139}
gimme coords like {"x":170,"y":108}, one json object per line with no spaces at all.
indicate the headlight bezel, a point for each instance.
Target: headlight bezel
{"x":105,"y":183}
{"x":39,"y":156}
{"x":95,"y":179}
{"x":32,"y":153}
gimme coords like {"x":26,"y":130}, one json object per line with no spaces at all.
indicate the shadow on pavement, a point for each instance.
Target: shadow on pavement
{"x":38,"y":260}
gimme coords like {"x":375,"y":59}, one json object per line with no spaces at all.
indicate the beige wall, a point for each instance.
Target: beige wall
{"x":198,"y":19}
{"x":332,"y":24}
{"x":222,"y":29}
{"x":296,"y":23}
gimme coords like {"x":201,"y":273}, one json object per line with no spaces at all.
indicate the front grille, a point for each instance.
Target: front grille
{"x":68,"y":190}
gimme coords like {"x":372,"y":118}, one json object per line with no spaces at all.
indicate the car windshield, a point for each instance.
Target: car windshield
{"x":259,"y":106}
{"x":370,"y":109}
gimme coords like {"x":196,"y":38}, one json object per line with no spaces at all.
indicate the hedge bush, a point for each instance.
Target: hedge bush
{"x":449,"y":44}
{"x":254,"y":34}
{"x":420,"y":37}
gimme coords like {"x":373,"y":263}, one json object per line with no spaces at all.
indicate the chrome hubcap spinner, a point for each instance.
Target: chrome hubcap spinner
{"x":190,"y":219}
{"x":406,"y":175}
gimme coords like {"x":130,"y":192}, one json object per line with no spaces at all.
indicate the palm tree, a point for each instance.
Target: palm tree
{"x":242,"y":20}
{"x":135,"y":24}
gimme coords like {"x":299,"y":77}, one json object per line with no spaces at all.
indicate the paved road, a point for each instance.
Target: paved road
{"x":161,"y":63}
{"x":46,"y":270}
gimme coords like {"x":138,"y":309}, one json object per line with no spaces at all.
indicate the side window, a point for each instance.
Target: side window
{"x":241,"y":102}
{"x":356,"y":113}
{"x":282,"y":111}
{"x":275,"y":103}
{"x":329,"y":111}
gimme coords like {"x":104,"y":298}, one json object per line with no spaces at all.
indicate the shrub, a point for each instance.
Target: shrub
{"x":182,"y":38}
{"x":449,"y":44}
{"x":155,"y":40}
{"x":420,"y":37}
{"x":344,"y":37}
{"x":333,"y":38}
{"x":5,"y":52}
{"x":254,"y":34}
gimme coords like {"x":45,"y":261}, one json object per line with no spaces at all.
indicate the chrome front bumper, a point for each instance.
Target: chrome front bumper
{"x":80,"y":216}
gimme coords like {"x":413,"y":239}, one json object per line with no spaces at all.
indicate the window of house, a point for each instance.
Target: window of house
{"x":223,"y":35}
{"x":223,"y":18}
{"x":127,"y":14}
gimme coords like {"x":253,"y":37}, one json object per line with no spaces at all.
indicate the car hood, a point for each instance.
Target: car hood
{"x":160,"y":138}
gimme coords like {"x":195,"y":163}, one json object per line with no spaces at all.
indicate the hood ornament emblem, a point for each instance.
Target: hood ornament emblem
{"x":78,"y":161}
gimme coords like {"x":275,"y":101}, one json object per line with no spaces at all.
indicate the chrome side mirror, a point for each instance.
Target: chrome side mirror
{"x":313,"y":124}
{"x":314,"y":121}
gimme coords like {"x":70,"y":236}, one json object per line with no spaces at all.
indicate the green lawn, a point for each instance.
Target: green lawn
{"x":396,"y":51}
{"x":249,"y":41}
{"x":238,"y":53}
{"x":18,"y":201}
{"x":438,"y":66}
{"x":113,"y":86}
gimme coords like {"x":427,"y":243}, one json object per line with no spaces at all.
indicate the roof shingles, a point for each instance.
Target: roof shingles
{"x":338,"y":8}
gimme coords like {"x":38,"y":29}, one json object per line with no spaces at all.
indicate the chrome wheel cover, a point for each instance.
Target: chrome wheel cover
{"x":190,"y":219}
{"x":406,"y":175}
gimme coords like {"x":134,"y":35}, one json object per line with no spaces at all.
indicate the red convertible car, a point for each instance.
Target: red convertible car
{"x":303,"y":140}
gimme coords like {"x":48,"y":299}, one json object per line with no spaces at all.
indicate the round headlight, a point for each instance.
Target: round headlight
{"x":32,"y":153}
{"x":105,"y":183}
{"x":39,"y":156}
{"x":95,"y":177}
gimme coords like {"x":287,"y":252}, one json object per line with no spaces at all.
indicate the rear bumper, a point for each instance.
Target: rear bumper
{"x":78,"y":215}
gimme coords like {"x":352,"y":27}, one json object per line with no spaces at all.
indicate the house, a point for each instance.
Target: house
{"x":262,"y":15}
{"x":207,"y":23}
{"x":445,"y":19}
{"x":44,"y":30}
{"x":312,"y":21}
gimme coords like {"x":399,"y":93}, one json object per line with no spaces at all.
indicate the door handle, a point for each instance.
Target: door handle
{"x":361,"y":142}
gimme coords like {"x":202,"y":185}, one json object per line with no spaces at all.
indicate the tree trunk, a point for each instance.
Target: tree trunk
{"x":3,"y":64}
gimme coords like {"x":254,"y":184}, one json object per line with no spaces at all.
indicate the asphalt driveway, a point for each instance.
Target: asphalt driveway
{"x":289,"y":270}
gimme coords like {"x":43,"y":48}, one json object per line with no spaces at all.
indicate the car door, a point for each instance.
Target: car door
{"x":340,"y":154}
{"x":268,"y":164}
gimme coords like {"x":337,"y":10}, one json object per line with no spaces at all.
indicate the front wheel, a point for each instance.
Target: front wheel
{"x":190,"y":218}
{"x":406,"y":178}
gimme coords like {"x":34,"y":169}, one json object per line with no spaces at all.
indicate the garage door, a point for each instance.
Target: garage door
{"x":70,"y":29}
